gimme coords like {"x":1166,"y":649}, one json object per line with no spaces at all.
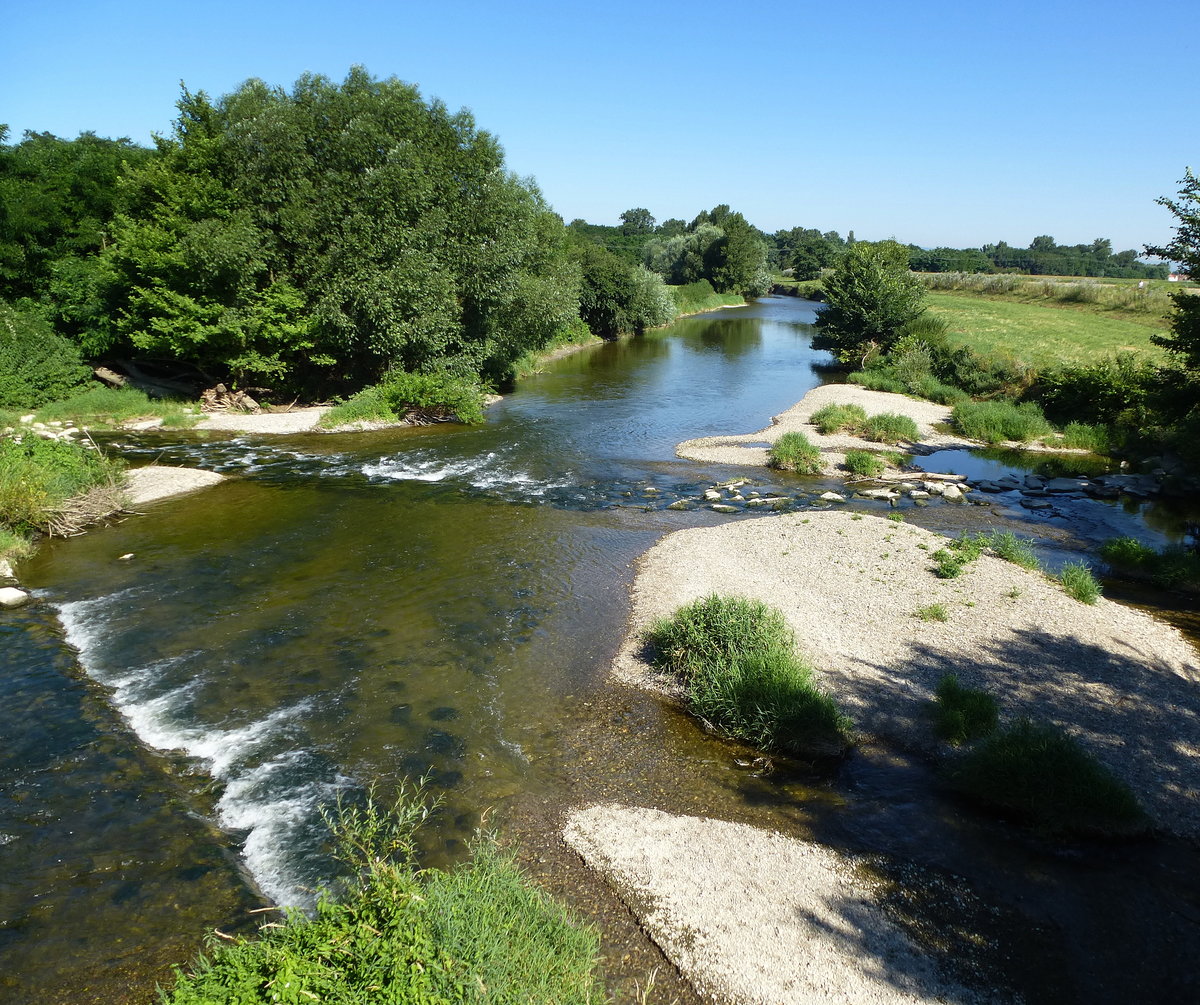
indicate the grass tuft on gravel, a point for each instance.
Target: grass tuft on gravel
{"x":1041,"y":773}
{"x":888,"y":427}
{"x":864,"y":463}
{"x":795,"y":452}
{"x":737,"y":662}
{"x":833,"y":418}
{"x":1077,"y":580}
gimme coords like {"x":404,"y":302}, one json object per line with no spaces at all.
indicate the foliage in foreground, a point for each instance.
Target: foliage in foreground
{"x":740,"y":672}
{"x":1041,"y":773}
{"x":39,"y":476}
{"x":795,"y":452}
{"x":476,"y":933}
{"x":962,"y":714}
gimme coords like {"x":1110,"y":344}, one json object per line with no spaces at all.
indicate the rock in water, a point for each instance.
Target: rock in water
{"x":11,"y":597}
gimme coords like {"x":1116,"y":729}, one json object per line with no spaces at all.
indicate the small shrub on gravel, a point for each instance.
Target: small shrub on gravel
{"x":952,"y":561}
{"x":834,"y":418}
{"x":962,"y":714}
{"x":933,"y":612}
{"x":890,"y":428}
{"x":1077,"y":580}
{"x":1038,"y":771}
{"x":864,"y":463}
{"x":736,"y":660}
{"x":795,"y":452}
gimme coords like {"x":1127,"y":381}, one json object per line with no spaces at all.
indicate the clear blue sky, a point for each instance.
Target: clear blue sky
{"x":937,"y":123}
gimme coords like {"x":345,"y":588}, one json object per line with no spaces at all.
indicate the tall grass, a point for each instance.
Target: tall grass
{"x":963,"y":714}
{"x":39,"y":478}
{"x":834,"y":418}
{"x":694,"y":298}
{"x":394,"y":933}
{"x":1153,"y":299}
{"x":890,"y":428}
{"x":414,"y":397}
{"x":1078,"y":582}
{"x":738,"y":666}
{"x":795,"y":452}
{"x":1006,"y":545}
{"x":999,"y":421}
{"x":864,"y":463}
{"x":114,"y":405}
{"x":1168,"y":568}
{"x":1038,"y":771}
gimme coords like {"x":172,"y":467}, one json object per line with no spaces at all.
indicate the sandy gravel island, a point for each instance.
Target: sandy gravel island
{"x":156,"y":481}
{"x":1124,"y":684}
{"x":298,"y":420}
{"x":753,"y":917}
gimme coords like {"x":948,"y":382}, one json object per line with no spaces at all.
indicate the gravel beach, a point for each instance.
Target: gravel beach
{"x":157,"y":481}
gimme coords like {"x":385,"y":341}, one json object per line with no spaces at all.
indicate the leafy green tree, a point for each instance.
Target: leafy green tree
{"x":36,"y":364}
{"x":1184,"y":248}
{"x":869,"y":297}
{"x":637,"y":221}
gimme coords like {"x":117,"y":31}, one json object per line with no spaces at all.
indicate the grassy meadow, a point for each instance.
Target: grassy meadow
{"x":1038,"y":333}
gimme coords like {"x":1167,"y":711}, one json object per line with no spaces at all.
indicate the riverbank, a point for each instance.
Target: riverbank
{"x":1124,"y":685}
{"x":933,"y":421}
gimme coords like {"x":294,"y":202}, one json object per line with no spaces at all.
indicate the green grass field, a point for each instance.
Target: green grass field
{"x":1040,"y":335}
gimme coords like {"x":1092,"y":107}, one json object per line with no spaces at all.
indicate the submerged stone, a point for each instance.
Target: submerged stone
{"x":11,"y":597}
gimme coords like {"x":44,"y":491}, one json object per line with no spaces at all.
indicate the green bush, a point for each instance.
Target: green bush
{"x":890,"y":428}
{"x":795,"y":452}
{"x":952,"y":561}
{"x":420,"y":397}
{"x":932,"y":389}
{"x":963,"y":714}
{"x":932,"y":612}
{"x":39,"y":476}
{"x":736,"y":660}
{"x":1127,"y":552}
{"x":395,"y":933}
{"x":36,"y":364}
{"x":834,"y":418}
{"x":864,"y":463}
{"x":1081,"y":436}
{"x":1041,"y":773}
{"x":998,"y":421}
{"x":877,"y":380}
{"x":1077,"y":580}
{"x":1171,"y":567}
{"x":1098,"y":392}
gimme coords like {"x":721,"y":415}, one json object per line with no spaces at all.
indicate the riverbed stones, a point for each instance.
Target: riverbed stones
{"x":712,"y":495}
{"x":724,"y":508}
{"x":831,"y":497}
{"x":11,"y":597}
{"x":679,"y":504}
{"x":953,"y":494}
{"x":6,"y":569}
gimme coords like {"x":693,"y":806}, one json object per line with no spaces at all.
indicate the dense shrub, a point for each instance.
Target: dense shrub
{"x":419,"y":397}
{"x":998,"y":421}
{"x":395,"y":933}
{"x":1168,"y":568}
{"x":1098,"y":392}
{"x":962,"y":714}
{"x":795,"y":452}
{"x":36,"y":364}
{"x":1043,"y":774}
{"x":833,"y":418}
{"x":890,"y":428}
{"x":864,"y":463}
{"x":736,"y":661}
{"x":1082,"y":436}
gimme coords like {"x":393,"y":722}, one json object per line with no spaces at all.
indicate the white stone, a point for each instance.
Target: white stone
{"x":27,"y":418}
{"x":144,"y":424}
{"x":6,"y":569}
{"x":11,"y":597}
{"x":712,"y":495}
{"x":831,"y":497}
{"x":952,"y":493}
{"x":126,"y":557}
{"x":918,"y":494}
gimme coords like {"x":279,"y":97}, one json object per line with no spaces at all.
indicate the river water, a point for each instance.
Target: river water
{"x":348,"y":611}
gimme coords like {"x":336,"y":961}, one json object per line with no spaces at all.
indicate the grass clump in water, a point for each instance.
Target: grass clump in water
{"x":395,"y":933}
{"x":963,"y":714}
{"x":1169,"y":568}
{"x":999,"y":421}
{"x":795,"y":452}
{"x":413,"y":397}
{"x":740,"y":672}
{"x":890,"y":428}
{"x":864,"y":463}
{"x":1038,"y":771}
{"x":1077,"y":580}
{"x":835,"y":418}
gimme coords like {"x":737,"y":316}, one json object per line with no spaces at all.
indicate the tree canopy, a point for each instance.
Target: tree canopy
{"x":1184,"y":248}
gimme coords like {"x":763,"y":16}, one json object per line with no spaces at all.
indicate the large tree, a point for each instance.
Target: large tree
{"x":1184,"y":248}
{"x":869,"y":296}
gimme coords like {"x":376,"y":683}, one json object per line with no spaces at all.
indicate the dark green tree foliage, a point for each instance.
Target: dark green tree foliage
{"x":1184,"y":248}
{"x":36,"y":365}
{"x":869,"y":297}
{"x":720,"y":246}
{"x":326,"y":235}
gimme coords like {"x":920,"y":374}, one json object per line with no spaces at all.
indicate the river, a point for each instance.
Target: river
{"x":353,"y":610}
